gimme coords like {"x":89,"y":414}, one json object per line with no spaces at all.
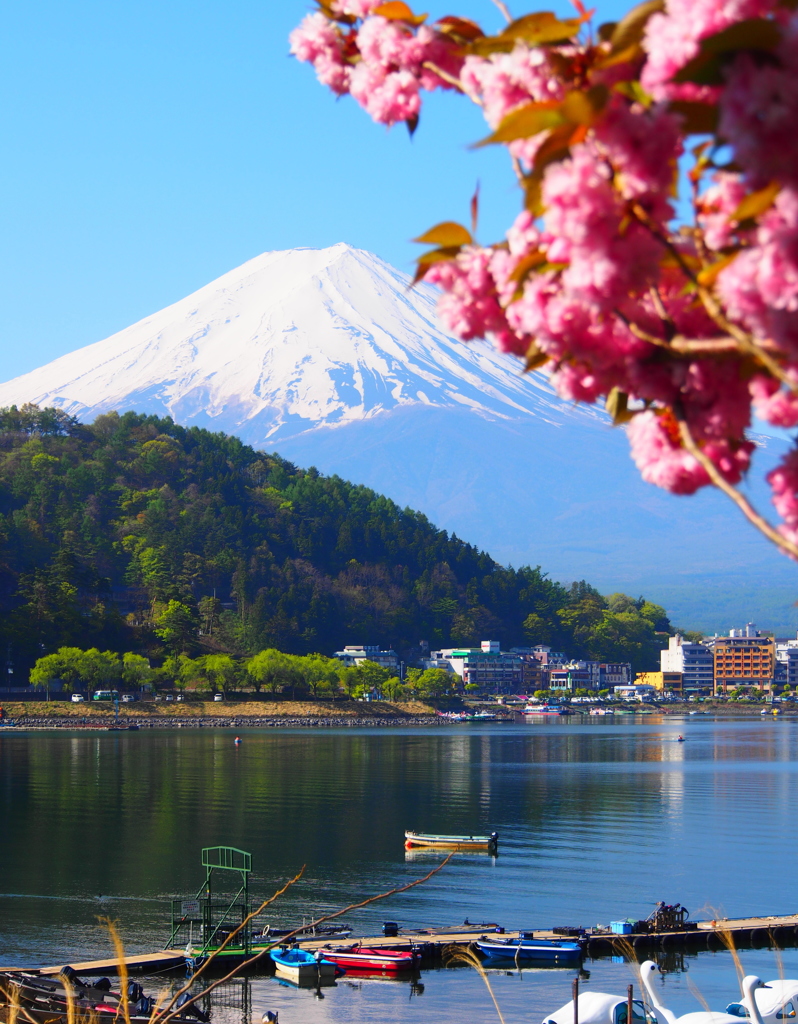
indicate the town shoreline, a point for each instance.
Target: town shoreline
{"x":286,"y":714}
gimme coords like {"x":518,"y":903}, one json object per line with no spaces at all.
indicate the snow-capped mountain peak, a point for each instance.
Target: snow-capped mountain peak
{"x":288,"y":342}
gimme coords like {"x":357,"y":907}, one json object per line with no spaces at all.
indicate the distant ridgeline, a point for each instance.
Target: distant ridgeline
{"x":135,"y":534}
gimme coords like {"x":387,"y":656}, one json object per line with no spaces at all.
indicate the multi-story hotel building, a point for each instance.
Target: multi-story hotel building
{"x":744,"y":661}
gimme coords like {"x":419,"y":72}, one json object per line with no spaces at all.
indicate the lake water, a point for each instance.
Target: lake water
{"x":598,"y":821}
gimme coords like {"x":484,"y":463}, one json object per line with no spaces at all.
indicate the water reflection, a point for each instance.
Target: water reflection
{"x":598,"y":821}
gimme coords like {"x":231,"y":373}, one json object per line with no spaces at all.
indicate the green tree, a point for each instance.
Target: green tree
{"x":176,"y":625}
{"x":270,"y":668}
{"x":371,"y":676}
{"x":101,"y":669}
{"x":321,"y":674}
{"x":435,"y":682}
{"x":222,"y":671}
{"x":45,"y":672}
{"x":392,"y":688}
{"x":136,"y":671}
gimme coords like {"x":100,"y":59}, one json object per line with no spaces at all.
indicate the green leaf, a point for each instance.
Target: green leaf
{"x":757,"y":203}
{"x":706,"y":68}
{"x":617,"y":404}
{"x":541,"y":29}
{"x":583,"y":107}
{"x":708,"y":275}
{"x":447,"y":233}
{"x":525,"y":122}
{"x":630,"y":29}
{"x":697,"y":118}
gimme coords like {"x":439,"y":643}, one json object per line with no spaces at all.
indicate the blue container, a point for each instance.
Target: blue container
{"x":621,"y":927}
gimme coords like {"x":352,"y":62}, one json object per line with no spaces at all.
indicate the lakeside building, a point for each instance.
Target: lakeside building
{"x":353,"y":655}
{"x":636,"y":691}
{"x":662,"y":681}
{"x":744,"y":658}
{"x":616,"y":673}
{"x":486,"y":666}
{"x":695,"y":664}
{"x":786,"y":668}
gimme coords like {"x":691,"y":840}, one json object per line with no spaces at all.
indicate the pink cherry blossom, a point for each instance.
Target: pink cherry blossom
{"x":355,"y":8}
{"x":783,"y":481}
{"x":716,"y":206}
{"x":672,"y":38}
{"x":319,"y":42}
{"x":774,"y":403}
{"x":759,"y":111}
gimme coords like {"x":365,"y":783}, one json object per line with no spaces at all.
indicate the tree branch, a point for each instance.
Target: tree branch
{"x":719,"y":481}
{"x":504,"y":9}
{"x":167,"y":1016}
{"x":745,"y":341}
{"x":455,"y":82}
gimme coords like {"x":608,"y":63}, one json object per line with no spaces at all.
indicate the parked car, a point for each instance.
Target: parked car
{"x":128,"y":698}
{"x":170,"y":696}
{"x":218,"y":696}
{"x":180,"y":697}
{"x":104,"y":695}
{"x":77,"y":698}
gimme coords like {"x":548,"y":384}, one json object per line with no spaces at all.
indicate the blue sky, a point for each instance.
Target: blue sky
{"x":151,"y":146}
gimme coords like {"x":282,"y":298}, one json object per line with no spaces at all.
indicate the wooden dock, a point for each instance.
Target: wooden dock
{"x":142,"y":963}
{"x":744,"y":933}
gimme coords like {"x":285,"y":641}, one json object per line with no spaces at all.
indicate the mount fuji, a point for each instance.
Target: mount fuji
{"x":327,"y":356}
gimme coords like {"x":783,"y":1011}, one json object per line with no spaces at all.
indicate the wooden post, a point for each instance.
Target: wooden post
{"x":575,"y":990}
{"x":630,"y":993}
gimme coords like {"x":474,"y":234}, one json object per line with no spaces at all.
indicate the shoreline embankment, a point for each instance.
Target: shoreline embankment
{"x":324,"y":714}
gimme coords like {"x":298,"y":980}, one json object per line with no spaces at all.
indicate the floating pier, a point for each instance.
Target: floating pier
{"x":748,"y":932}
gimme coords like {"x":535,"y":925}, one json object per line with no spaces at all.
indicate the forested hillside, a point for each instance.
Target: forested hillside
{"x":135,"y":534}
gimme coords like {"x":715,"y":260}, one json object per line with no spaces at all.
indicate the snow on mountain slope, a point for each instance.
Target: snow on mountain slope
{"x":326,"y":357}
{"x":288,"y":342}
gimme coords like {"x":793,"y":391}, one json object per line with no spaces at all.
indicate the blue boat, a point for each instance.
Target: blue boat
{"x":550,"y":951}
{"x":299,"y":965}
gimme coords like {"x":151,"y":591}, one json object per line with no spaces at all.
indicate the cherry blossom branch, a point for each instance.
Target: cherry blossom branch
{"x":504,"y":10}
{"x":454,"y":82}
{"x":745,"y":341}
{"x":719,"y":481}
{"x":681,"y":345}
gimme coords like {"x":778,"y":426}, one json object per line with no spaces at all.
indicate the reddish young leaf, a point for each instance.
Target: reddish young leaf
{"x":447,"y":233}
{"x":463,"y":28}
{"x":397,"y":10}
{"x":475,"y":210}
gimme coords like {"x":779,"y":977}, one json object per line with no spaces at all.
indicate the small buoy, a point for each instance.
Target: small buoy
{"x":269,"y":1017}
{"x":237,"y":742}
{"x":408,"y":845}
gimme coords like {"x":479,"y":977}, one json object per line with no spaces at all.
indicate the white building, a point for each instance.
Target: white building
{"x":485,"y":666}
{"x":354,"y":654}
{"x":695,"y":662}
{"x":637,"y":691}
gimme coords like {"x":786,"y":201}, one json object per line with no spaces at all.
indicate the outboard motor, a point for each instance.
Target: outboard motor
{"x":142,"y":1007}
{"x":70,"y":975}
{"x":390,"y":929}
{"x":134,"y":992}
{"x":103,"y":985}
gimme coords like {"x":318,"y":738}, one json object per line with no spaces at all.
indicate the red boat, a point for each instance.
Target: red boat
{"x":370,"y":958}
